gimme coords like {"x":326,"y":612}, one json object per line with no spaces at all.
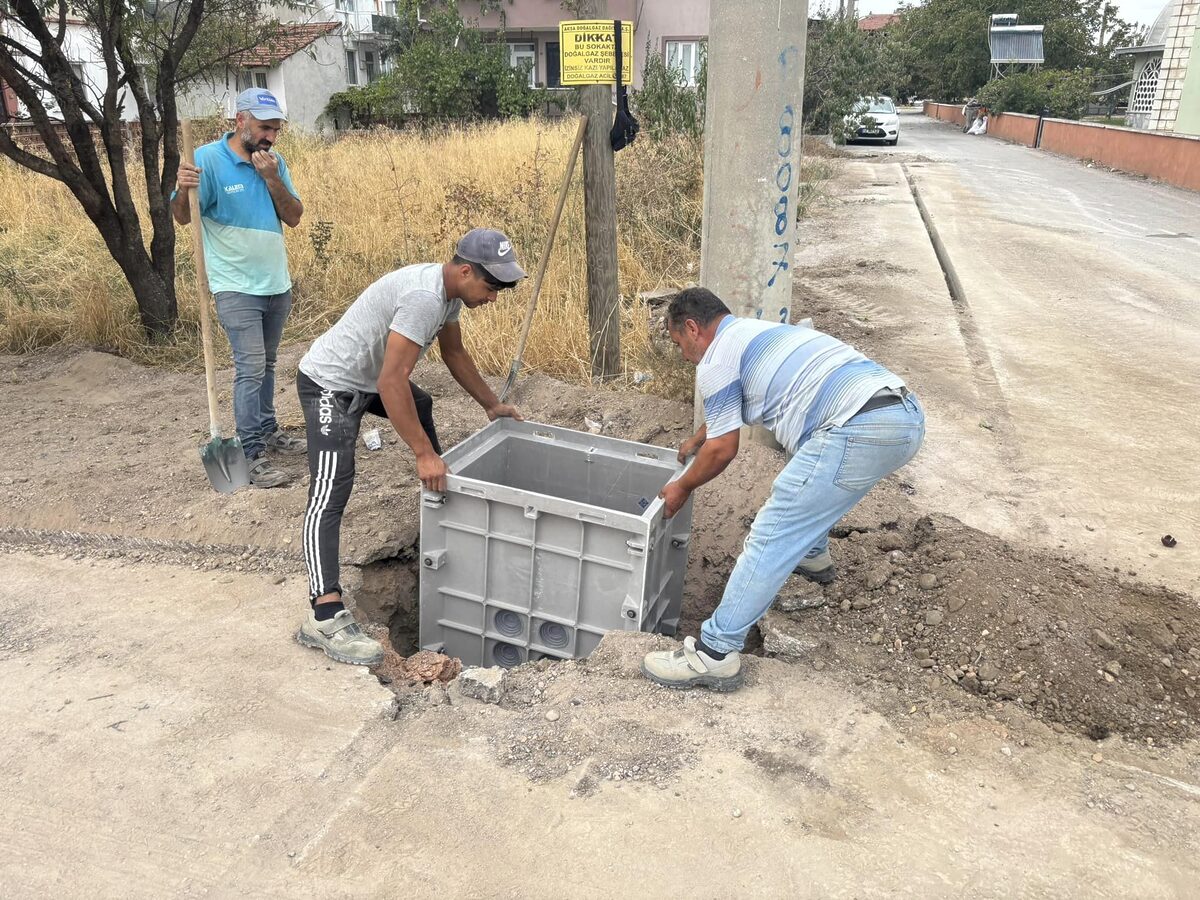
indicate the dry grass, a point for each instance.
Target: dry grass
{"x":375,"y":201}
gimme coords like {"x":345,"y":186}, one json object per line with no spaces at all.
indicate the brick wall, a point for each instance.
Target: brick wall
{"x":1173,"y":158}
{"x":1015,"y":127}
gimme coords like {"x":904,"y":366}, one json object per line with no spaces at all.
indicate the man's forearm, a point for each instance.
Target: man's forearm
{"x":402,"y":413}
{"x":462,"y":367}
{"x":287,"y":207}
{"x":181,"y":207}
{"x":711,"y":460}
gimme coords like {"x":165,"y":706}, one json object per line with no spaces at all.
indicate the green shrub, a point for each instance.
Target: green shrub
{"x":664,"y":104}
{"x":1052,"y":92}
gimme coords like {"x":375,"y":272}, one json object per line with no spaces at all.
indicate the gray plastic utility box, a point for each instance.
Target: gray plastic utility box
{"x":545,"y":539}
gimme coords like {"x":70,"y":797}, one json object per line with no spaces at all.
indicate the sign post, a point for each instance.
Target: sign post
{"x":588,"y":59}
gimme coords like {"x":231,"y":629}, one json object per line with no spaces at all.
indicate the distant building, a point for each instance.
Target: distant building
{"x":878,"y":21}
{"x":678,"y":29}
{"x":1165,"y":95}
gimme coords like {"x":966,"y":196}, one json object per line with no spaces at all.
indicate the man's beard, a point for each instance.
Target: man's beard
{"x":251,"y":146}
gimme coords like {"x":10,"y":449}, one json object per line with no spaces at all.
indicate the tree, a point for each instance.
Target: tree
{"x":442,"y":69}
{"x":1060,"y":94}
{"x":842,"y":64}
{"x":941,"y":46}
{"x":148,"y":50}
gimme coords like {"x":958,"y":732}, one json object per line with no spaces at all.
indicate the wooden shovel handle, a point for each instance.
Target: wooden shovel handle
{"x":545,"y":259}
{"x":210,"y":365}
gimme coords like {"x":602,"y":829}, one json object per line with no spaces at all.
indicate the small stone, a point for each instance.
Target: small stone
{"x":278,"y":579}
{"x":956,"y":555}
{"x":737,"y":813}
{"x":877,"y":577}
{"x":896,"y":556}
{"x":552,"y":715}
{"x":783,"y":637}
{"x":927,"y":582}
{"x":1103,"y":641}
{"x":954,"y":604}
{"x":877,"y":637}
{"x":844,"y":606}
{"x":933,"y":617}
{"x":485,"y":685}
{"x":988,"y":672}
{"x":922,"y":653}
{"x":799,"y":594}
{"x":1161,"y":637}
{"x":1011,"y":617}
{"x":1097,"y":757}
{"x":1007,"y":751}
{"x":926,"y":663}
{"x":860,"y":603}
{"x":891,"y":540}
{"x":1113,"y":668}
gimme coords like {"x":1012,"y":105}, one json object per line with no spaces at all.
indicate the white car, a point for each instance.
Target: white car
{"x":872,"y":119}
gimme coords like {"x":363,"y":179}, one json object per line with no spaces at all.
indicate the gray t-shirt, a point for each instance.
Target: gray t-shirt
{"x":410,"y":301}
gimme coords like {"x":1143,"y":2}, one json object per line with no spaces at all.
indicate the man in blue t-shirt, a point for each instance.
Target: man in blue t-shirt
{"x":246,"y":194}
{"x":847,"y":423}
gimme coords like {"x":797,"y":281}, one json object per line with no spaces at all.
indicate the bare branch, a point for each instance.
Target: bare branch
{"x":9,"y":148}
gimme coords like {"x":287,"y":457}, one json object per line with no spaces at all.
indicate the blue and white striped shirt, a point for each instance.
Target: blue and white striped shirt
{"x":790,"y":380}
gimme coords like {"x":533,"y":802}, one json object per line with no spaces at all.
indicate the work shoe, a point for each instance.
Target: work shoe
{"x":341,"y":639}
{"x":687,"y":667}
{"x":282,"y":442}
{"x":818,"y":568}
{"x":265,"y":475}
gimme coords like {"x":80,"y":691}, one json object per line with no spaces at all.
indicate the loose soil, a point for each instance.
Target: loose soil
{"x":995,"y":625}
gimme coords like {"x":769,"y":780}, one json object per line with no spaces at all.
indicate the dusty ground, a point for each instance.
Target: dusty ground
{"x":959,"y":700}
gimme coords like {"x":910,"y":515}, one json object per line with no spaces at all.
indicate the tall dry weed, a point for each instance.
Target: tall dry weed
{"x":375,"y":201}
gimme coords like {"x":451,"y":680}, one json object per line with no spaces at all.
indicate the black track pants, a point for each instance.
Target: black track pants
{"x":332,"y":419}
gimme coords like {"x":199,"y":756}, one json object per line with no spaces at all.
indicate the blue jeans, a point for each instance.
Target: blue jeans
{"x":254,"y":325}
{"x":829,"y":474}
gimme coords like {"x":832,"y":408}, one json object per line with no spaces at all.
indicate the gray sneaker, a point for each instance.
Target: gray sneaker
{"x":265,"y":475}
{"x":687,"y":667}
{"x":282,"y":442}
{"x":341,"y":639}
{"x":818,"y":568}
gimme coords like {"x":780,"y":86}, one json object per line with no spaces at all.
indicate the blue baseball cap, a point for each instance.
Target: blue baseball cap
{"x":260,"y":103}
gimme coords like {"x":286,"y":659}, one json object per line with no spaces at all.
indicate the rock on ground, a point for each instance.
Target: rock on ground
{"x":485,"y":685}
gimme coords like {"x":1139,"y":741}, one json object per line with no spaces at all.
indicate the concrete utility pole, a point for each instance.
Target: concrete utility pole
{"x":600,"y":216}
{"x":752,"y":157}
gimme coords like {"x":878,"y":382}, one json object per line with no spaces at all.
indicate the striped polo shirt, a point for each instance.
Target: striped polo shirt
{"x":243,"y":237}
{"x":791,"y":380}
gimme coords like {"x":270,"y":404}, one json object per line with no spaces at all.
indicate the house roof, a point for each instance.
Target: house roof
{"x":286,"y":40}
{"x":877,"y":21}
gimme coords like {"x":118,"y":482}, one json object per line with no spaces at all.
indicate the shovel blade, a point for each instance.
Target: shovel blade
{"x":225,"y":464}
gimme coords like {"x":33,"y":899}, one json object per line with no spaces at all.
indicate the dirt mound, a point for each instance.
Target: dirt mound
{"x":922,"y":600}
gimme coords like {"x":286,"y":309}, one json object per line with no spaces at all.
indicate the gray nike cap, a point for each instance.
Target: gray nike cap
{"x":492,"y":250}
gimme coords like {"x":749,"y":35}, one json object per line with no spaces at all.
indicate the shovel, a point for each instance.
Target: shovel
{"x":541,"y":269}
{"x":223,"y":458}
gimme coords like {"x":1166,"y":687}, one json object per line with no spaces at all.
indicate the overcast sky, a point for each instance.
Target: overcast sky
{"x":1141,"y":11}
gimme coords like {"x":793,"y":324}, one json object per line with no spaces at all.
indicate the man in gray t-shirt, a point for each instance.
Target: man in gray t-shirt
{"x":363,"y":364}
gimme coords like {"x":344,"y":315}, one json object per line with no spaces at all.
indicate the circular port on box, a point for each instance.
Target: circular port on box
{"x":506,"y":655}
{"x":554,"y":635}
{"x":508,"y":623}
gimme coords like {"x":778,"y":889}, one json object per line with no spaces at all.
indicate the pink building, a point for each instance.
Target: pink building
{"x":675,"y":28}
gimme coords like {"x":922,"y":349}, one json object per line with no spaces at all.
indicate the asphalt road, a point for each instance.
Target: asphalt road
{"x":1080,"y":323}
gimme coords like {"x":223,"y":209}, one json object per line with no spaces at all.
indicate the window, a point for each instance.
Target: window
{"x":249,"y":78}
{"x":369,"y":63}
{"x":553,"y":65}
{"x":388,"y":7}
{"x":1146,"y":87}
{"x":344,"y":5}
{"x":685,"y":58}
{"x":524,"y":55}
{"x":77,"y":68}
{"x":351,"y":67}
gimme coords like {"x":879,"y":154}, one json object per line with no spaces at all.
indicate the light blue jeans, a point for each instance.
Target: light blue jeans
{"x":254,"y":325}
{"x":833,"y":470}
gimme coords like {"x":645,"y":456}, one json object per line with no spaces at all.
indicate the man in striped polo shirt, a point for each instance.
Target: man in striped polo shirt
{"x":846,"y":422}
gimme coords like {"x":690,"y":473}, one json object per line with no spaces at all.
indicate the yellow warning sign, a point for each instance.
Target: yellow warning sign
{"x":588,"y":51}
